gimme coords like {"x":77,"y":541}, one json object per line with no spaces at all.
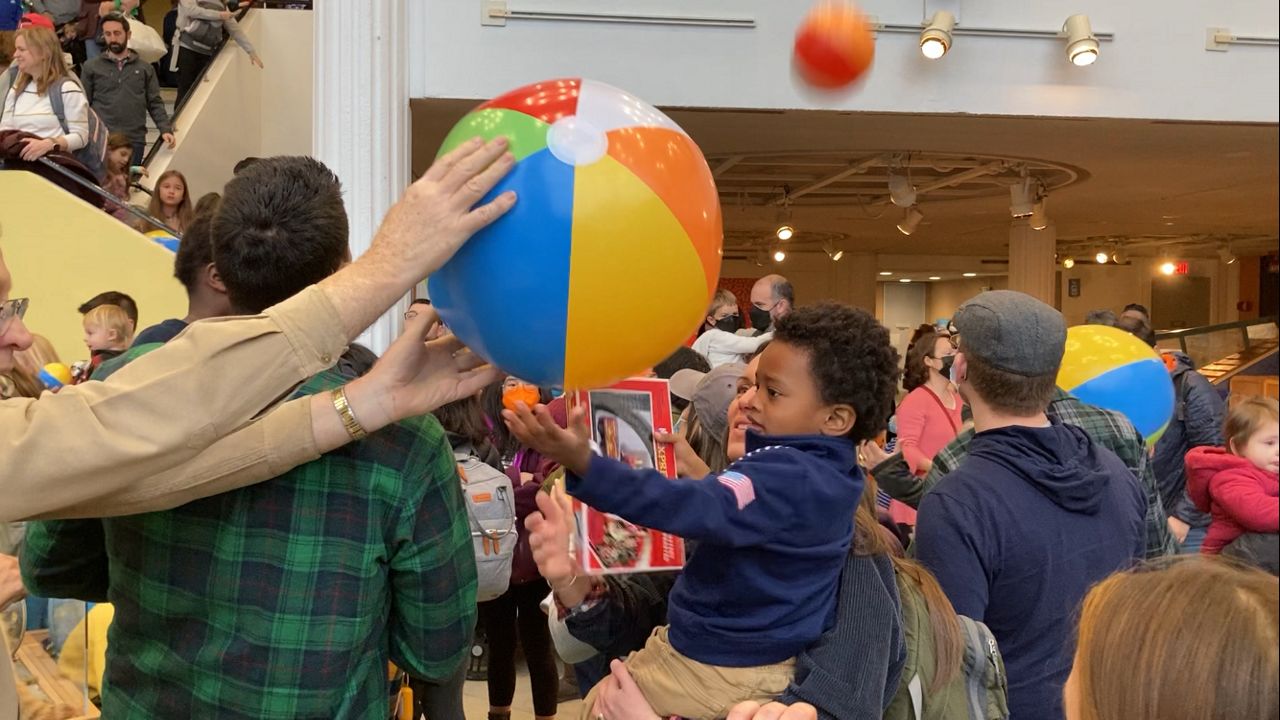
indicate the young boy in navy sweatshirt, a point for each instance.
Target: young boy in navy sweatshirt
{"x":772,"y":530}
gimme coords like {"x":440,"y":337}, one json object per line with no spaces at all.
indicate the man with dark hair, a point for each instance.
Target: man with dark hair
{"x":123,"y":89}
{"x":1137,"y":312}
{"x":113,"y":297}
{"x":289,"y":596}
{"x":1036,"y":513}
{"x":206,"y":294}
{"x":772,"y":297}
{"x":1101,"y":316}
{"x":243,"y":164}
{"x":1197,"y":422}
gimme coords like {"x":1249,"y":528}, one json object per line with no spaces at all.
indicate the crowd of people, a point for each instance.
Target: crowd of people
{"x":76,"y":93}
{"x":944,"y":535}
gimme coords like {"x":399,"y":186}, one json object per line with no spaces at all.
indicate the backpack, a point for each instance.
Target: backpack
{"x":205,"y":35}
{"x":491,"y":512}
{"x":978,"y":692}
{"x":94,"y":153}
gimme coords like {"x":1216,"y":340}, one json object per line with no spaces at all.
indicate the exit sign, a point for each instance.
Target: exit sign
{"x":1181,"y":268}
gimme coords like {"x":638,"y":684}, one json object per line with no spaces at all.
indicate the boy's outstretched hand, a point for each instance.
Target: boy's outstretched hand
{"x":536,"y":429}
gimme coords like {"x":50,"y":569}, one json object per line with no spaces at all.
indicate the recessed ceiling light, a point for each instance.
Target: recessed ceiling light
{"x":904,"y":280}
{"x":935,"y":277}
{"x":885,"y":273}
{"x":971,"y":274}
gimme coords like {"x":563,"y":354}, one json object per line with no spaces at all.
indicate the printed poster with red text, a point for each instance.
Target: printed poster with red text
{"x":624,"y":419}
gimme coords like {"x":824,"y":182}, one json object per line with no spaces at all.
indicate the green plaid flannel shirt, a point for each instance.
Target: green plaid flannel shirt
{"x":285,"y":598}
{"x":1105,"y":427}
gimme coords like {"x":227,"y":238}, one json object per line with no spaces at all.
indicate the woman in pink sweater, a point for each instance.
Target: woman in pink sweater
{"x":929,"y":416}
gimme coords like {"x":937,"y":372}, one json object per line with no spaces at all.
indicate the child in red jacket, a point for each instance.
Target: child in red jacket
{"x":1238,"y":484}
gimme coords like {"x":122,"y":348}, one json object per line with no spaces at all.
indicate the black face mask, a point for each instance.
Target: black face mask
{"x":729,"y":323}
{"x":947,"y":362}
{"x":760,"y":319}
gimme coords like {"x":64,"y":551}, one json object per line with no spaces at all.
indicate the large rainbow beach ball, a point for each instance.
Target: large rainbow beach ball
{"x":1110,"y":368}
{"x":612,"y":252}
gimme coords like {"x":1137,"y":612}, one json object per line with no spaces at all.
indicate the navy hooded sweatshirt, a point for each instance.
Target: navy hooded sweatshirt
{"x":1017,"y":535}
{"x":773,"y":531}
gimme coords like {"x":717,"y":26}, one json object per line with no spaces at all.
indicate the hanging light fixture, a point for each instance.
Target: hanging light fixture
{"x":935,"y":39}
{"x":832,"y":251}
{"x":1022,"y":196}
{"x":1226,"y":256}
{"x":785,"y":232}
{"x":1082,"y":45}
{"x":910,"y":220}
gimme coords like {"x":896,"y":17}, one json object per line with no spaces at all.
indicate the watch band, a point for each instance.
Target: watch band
{"x":349,"y":421}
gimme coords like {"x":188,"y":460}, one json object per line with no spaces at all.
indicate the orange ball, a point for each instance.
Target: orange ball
{"x":834,"y":45}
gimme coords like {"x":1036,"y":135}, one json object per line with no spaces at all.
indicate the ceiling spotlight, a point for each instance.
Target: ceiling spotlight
{"x":935,"y":277}
{"x":1226,"y":256}
{"x":1039,"y":218}
{"x":901,"y":192}
{"x":1082,"y":46}
{"x":1069,"y":263}
{"x":1168,"y":268}
{"x":970,"y":274}
{"x":1118,"y":257}
{"x":779,"y":255}
{"x":1102,"y":257}
{"x":885,"y":273}
{"x":1022,"y":197}
{"x":761,"y":257}
{"x":832,"y":251}
{"x":935,"y":40}
{"x":785,"y":232}
{"x":910,"y":220}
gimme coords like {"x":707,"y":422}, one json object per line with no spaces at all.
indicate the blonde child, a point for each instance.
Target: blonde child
{"x":719,"y":342}
{"x":1238,"y":485}
{"x":108,"y":331}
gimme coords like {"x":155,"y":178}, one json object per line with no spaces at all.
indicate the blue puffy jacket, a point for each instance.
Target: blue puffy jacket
{"x":1197,"y":421}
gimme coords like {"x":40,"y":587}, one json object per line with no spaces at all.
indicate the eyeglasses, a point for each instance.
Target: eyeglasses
{"x":15,"y":308}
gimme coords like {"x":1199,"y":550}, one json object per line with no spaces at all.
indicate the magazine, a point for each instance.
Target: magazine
{"x":624,"y":419}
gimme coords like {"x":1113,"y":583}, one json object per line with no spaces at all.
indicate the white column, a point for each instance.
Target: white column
{"x":1032,"y":269}
{"x":361,"y":119}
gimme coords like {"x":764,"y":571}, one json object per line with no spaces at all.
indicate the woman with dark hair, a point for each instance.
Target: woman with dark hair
{"x":929,"y":416}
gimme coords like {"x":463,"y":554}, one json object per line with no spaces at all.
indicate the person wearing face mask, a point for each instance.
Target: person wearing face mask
{"x":772,"y":297}
{"x":719,"y":341}
{"x":930,"y":415}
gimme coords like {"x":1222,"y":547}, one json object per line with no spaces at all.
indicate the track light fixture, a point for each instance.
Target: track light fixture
{"x":785,"y":232}
{"x":779,"y":255}
{"x":832,"y":251}
{"x":761,"y":257}
{"x":1226,"y":256}
{"x":1168,"y":268}
{"x":1082,"y":45}
{"x":1069,"y":263}
{"x":1022,"y":196}
{"x":935,"y":39}
{"x":910,"y":220}
{"x":1102,"y":257}
{"x":901,"y":192}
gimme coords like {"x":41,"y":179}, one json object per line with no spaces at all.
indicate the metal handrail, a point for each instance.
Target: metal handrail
{"x":140,"y":214}
{"x":1243,"y":325}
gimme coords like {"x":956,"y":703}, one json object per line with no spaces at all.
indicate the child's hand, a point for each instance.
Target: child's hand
{"x":549,"y":532}
{"x":536,"y":429}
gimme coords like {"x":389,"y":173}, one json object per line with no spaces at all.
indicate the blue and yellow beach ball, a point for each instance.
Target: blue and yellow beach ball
{"x":612,"y":252}
{"x":1112,"y":369}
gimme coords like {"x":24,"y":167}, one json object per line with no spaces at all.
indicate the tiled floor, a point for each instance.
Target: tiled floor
{"x":475,"y":699}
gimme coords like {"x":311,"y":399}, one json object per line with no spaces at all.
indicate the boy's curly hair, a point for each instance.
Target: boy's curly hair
{"x":851,"y":359}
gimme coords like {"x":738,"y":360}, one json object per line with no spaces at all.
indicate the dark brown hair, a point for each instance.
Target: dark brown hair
{"x":1006,"y":391}
{"x":914,"y":372}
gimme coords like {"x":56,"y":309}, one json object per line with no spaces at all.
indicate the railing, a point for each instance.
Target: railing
{"x":182,"y":101}
{"x":108,"y":197}
{"x":1241,"y":325}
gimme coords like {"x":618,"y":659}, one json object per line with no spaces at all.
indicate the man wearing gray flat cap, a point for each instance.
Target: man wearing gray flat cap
{"x":1037,"y":513}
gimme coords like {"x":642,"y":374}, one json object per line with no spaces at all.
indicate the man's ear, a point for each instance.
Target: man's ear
{"x":840,"y":420}
{"x":213,"y":279}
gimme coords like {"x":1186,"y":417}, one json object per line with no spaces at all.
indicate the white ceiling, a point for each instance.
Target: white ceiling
{"x":1147,"y":182}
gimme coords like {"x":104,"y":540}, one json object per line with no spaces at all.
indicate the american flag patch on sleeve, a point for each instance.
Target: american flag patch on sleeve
{"x":743,"y":491}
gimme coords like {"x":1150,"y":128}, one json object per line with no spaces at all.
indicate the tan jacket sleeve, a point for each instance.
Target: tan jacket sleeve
{"x":194,"y":418}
